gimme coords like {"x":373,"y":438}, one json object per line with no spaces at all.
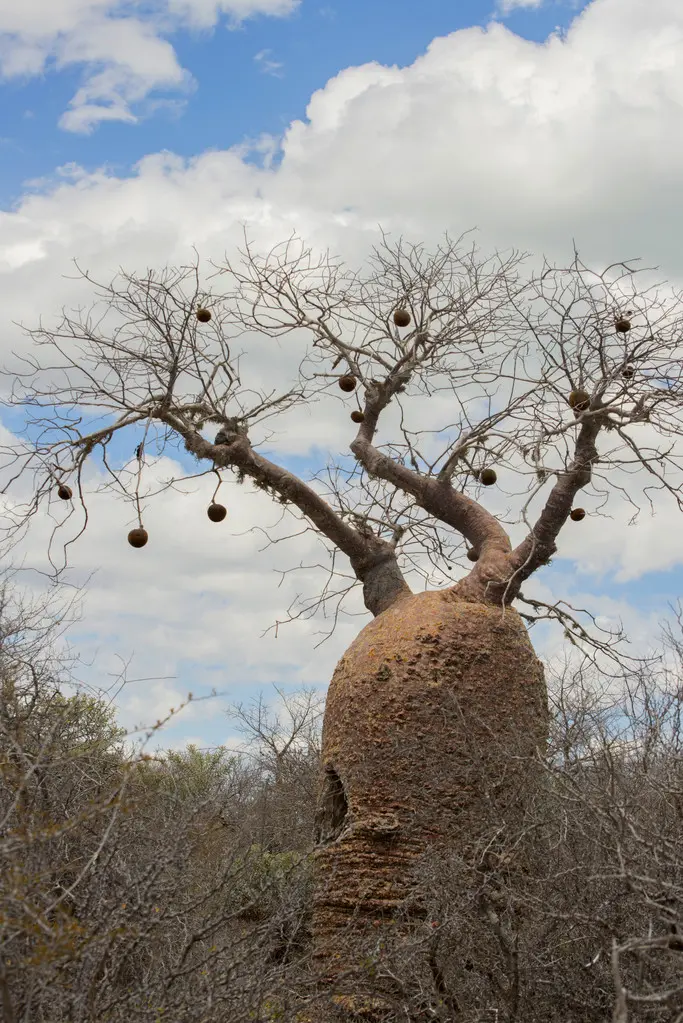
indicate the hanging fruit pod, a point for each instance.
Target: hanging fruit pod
{"x":203,"y":315}
{"x":401,"y":317}
{"x":357,"y":416}
{"x":64,"y":492}
{"x":472,"y":555}
{"x":627,"y":372}
{"x":138,"y":537}
{"x":579,"y":400}
{"x":488,"y":477}
{"x":576,"y":514}
{"x":216,"y":512}
{"x":622,"y":325}
{"x":347,"y":383}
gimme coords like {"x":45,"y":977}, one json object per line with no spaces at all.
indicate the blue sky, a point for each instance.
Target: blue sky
{"x":528,"y":166}
{"x":247,"y":80}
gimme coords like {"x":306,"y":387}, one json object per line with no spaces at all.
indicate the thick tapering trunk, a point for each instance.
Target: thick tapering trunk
{"x":432,"y":718}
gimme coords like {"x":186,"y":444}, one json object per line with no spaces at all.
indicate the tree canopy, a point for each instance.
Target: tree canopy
{"x":564,"y":381}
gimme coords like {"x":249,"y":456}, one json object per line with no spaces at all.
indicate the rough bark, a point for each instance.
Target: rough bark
{"x":423,"y":711}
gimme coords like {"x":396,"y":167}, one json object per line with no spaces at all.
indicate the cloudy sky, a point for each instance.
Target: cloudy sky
{"x":130,"y":132}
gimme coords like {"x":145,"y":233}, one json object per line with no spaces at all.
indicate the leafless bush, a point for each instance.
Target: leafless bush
{"x":130,"y":889}
{"x":287,"y":755}
{"x":179,"y":887}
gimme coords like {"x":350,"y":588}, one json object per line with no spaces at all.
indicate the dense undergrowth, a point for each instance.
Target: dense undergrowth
{"x":179,"y":888}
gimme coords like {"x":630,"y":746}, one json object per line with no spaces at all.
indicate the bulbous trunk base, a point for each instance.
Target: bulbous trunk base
{"x":433,"y":717}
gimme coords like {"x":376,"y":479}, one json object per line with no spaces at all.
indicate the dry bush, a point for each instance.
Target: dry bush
{"x":286,"y":754}
{"x":130,"y":889}
{"x":180,"y":887}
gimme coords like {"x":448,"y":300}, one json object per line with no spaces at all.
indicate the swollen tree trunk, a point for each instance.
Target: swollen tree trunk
{"x":433,"y":717}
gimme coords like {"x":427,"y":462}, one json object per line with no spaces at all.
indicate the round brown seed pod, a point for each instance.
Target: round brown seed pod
{"x":627,"y":372}
{"x":347,"y":383}
{"x":357,"y":416}
{"x":216,"y":512}
{"x":138,"y":537}
{"x":488,"y":477}
{"x":203,"y":315}
{"x":576,"y":514}
{"x":472,"y":555}
{"x":401,"y":317}
{"x":579,"y":400}
{"x":64,"y":492}
{"x":622,"y":325}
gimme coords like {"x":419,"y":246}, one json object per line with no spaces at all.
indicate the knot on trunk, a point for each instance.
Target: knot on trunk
{"x":231,"y":431}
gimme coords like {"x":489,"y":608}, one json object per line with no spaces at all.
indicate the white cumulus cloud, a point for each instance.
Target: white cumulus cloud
{"x":123,"y":47}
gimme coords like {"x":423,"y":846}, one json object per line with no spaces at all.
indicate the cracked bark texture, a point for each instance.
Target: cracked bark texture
{"x":422,"y":713}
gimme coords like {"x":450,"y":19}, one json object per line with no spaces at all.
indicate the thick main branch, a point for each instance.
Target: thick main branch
{"x":373,"y":560}
{"x":499,"y":572}
{"x":489,"y":576}
{"x":540,"y":545}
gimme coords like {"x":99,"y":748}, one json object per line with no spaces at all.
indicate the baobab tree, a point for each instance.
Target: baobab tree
{"x":437,"y":713}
